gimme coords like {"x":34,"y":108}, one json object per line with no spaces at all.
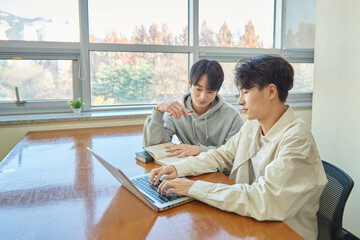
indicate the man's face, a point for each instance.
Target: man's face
{"x":201,"y":96}
{"x":254,"y":102}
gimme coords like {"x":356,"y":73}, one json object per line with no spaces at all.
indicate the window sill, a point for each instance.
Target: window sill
{"x":71,"y":117}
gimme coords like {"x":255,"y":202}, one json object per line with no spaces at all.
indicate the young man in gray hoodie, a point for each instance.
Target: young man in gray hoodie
{"x":202,"y":121}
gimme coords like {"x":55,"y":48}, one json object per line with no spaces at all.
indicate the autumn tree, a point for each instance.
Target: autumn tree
{"x":154,"y":35}
{"x":92,"y":38}
{"x":166,"y":35}
{"x":206,"y":35}
{"x":112,"y":38}
{"x":184,"y":37}
{"x":140,"y":35}
{"x":171,"y":77}
{"x":249,"y":39}
{"x":224,"y":37}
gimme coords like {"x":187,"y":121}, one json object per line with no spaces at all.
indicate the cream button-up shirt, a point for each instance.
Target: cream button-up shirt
{"x":288,"y":182}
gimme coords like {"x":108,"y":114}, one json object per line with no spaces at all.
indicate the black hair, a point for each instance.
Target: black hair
{"x":264,"y":70}
{"x":212,"y":69}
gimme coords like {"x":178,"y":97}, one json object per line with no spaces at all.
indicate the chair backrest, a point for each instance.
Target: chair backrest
{"x":332,"y":201}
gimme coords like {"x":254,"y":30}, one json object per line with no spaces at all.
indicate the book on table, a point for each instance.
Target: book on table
{"x":144,"y":156}
{"x":158,"y":152}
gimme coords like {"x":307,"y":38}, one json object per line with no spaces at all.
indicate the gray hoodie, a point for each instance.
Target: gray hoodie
{"x":210,"y":130}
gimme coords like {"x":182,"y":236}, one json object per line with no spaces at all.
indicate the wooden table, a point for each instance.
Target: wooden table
{"x":51,"y":188}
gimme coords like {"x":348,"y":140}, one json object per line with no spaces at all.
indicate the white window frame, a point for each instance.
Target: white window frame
{"x":25,"y":50}
{"x":79,"y":53}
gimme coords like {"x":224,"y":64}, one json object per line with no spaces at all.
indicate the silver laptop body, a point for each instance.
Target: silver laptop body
{"x":153,"y":199}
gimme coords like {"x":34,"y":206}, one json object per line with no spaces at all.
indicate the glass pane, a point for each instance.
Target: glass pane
{"x":137,"y":78}
{"x":39,"y":20}
{"x":228,"y":86}
{"x":161,"y":22}
{"x":36,"y":79}
{"x":300,"y":24}
{"x":248,"y":24}
{"x":303,"y":79}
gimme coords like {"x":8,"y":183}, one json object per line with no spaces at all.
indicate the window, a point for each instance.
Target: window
{"x":39,"y":20}
{"x":300,"y":24}
{"x":161,"y":22}
{"x":228,"y":87}
{"x":247,"y":24}
{"x":134,"y":54}
{"x":36,"y":79}
{"x":303,"y":78}
{"x":121,"y":78}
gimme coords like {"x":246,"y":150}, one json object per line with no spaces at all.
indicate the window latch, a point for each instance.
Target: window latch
{"x":18,"y":102}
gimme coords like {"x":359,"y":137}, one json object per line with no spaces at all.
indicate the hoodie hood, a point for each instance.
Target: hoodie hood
{"x":215,"y":105}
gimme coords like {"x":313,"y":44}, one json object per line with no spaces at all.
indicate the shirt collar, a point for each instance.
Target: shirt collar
{"x":281,"y":125}
{"x":278,"y":129}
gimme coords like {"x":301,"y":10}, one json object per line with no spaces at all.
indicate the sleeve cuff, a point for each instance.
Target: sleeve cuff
{"x":199,"y":189}
{"x":203,"y":148}
{"x":180,"y":168}
{"x":157,"y":116}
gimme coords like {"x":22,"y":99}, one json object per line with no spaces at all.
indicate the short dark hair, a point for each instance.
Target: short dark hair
{"x":264,"y":70}
{"x":212,"y":69}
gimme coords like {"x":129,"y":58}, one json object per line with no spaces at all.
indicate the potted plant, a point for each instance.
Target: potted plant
{"x":76,"y":105}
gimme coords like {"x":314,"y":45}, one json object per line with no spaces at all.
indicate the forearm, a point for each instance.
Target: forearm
{"x":231,"y":198}
{"x":254,"y":201}
{"x":211,"y":161}
{"x":154,"y":132}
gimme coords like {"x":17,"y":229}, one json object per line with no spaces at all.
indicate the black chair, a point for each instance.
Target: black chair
{"x":332,"y":204}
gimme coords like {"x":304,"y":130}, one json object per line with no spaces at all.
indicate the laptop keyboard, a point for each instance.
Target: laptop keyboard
{"x":143,"y":183}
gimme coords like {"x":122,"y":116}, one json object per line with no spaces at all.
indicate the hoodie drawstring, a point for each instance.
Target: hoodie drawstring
{"x":193,"y":128}
{"x":206,"y":130}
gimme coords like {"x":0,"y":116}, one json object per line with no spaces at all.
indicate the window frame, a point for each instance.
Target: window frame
{"x":30,"y":50}
{"x":79,"y":53}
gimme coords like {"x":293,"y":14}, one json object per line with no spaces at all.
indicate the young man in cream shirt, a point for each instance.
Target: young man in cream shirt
{"x":273,"y":159}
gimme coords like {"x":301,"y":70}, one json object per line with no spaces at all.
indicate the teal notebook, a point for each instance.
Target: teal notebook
{"x":144,"y":156}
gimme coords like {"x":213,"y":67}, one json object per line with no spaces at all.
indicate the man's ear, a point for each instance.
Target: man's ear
{"x":189,"y":82}
{"x":272,"y":90}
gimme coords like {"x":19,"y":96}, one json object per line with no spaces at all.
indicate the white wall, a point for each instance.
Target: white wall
{"x":336,"y":99}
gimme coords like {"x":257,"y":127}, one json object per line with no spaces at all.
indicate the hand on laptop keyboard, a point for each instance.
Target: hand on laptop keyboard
{"x":143,"y":184}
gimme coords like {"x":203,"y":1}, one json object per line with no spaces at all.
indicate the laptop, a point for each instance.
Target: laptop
{"x":142,"y":189}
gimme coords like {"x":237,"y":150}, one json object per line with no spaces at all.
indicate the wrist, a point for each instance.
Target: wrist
{"x":197,"y":150}
{"x":176,"y":173}
{"x":190,"y":183}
